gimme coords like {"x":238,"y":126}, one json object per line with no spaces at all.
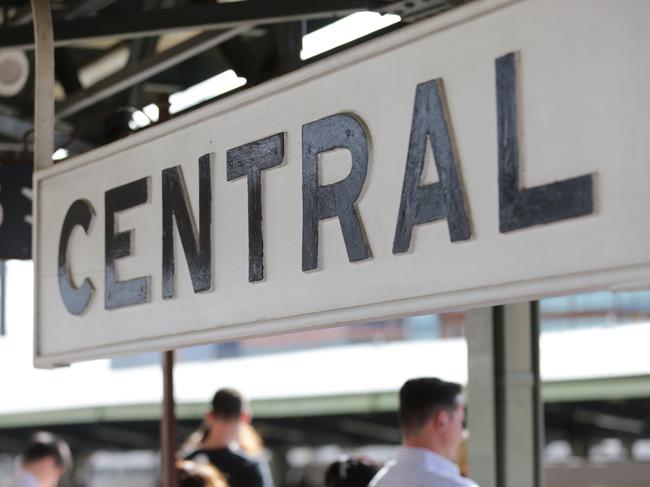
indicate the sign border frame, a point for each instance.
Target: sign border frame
{"x":627,"y":277}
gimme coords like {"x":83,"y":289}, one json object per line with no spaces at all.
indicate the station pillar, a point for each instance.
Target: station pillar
{"x":504,"y":408}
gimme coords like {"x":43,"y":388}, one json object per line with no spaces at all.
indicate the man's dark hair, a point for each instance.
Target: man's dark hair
{"x":228,"y":404}
{"x":353,"y":472}
{"x":420,"y":400}
{"x":46,"y":445}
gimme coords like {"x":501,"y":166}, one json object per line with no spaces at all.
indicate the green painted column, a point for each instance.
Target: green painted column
{"x":503,"y":396}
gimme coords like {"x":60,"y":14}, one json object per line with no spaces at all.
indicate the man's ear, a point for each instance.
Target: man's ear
{"x":208,"y":418}
{"x":246,"y":417}
{"x":441,"y":419}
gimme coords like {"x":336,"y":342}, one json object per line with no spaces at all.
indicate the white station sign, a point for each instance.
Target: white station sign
{"x":496,"y":153}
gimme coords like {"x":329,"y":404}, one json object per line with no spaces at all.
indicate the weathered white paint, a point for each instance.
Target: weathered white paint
{"x":44,"y":84}
{"x":584,"y":109}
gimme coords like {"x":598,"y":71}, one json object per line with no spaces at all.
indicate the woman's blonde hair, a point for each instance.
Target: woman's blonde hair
{"x":250,"y":440}
{"x":195,"y":474}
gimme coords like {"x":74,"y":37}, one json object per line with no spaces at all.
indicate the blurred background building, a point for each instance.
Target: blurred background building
{"x":319,"y":394}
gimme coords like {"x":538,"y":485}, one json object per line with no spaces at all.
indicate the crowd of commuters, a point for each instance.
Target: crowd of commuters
{"x":225,"y":451}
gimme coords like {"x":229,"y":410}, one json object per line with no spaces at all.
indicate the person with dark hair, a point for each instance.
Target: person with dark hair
{"x":219,"y":445}
{"x":431,"y":413}
{"x":352,"y":472}
{"x":44,"y":461}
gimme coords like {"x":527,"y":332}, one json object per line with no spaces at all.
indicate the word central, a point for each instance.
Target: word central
{"x":420,"y":203}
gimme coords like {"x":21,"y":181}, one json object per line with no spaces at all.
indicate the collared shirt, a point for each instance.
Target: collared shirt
{"x":24,"y":479}
{"x":417,"y":467}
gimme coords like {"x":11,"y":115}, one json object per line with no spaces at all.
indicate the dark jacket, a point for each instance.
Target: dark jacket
{"x":239,"y":469}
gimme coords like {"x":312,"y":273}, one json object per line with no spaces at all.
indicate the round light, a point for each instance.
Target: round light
{"x":14,"y":71}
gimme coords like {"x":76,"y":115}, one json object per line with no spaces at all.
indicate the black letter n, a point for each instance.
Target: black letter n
{"x":196,"y":245}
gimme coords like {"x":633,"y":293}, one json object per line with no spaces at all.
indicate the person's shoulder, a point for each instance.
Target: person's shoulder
{"x":454,"y":481}
{"x":227,"y":454}
{"x":243,"y":458}
{"x":396,"y":475}
{"x":393,"y":475}
{"x":251,"y":469}
{"x":466,"y":482}
{"x":19,"y":481}
{"x":241,"y":468}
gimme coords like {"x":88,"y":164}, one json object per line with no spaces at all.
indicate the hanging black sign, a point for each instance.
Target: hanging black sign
{"x":15,"y":212}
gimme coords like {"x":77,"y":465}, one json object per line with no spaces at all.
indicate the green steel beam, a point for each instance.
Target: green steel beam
{"x":597,"y":389}
{"x":270,"y":408}
{"x":564,"y":391}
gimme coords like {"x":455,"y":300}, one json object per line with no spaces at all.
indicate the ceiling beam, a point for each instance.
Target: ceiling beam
{"x":17,"y":128}
{"x":132,"y":75}
{"x":81,"y":8}
{"x":204,"y":17}
{"x":77,"y":9}
{"x":66,"y":71}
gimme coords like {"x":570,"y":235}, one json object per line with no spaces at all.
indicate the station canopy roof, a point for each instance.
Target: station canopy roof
{"x":115,"y":57}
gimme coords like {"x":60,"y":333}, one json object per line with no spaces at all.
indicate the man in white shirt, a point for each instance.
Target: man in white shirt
{"x":431,"y":414}
{"x":44,"y":462}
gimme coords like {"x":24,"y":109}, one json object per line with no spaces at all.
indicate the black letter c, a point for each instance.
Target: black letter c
{"x":75,"y":299}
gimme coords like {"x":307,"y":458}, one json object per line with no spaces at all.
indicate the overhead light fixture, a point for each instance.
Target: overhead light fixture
{"x":60,"y":154}
{"x":343,"y":31}
{"x":205,"y":90}
{"x":141,"y":118}
{"x":14,"y":71}
{"x":103,"y":67}
{"x":152,"y":112}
